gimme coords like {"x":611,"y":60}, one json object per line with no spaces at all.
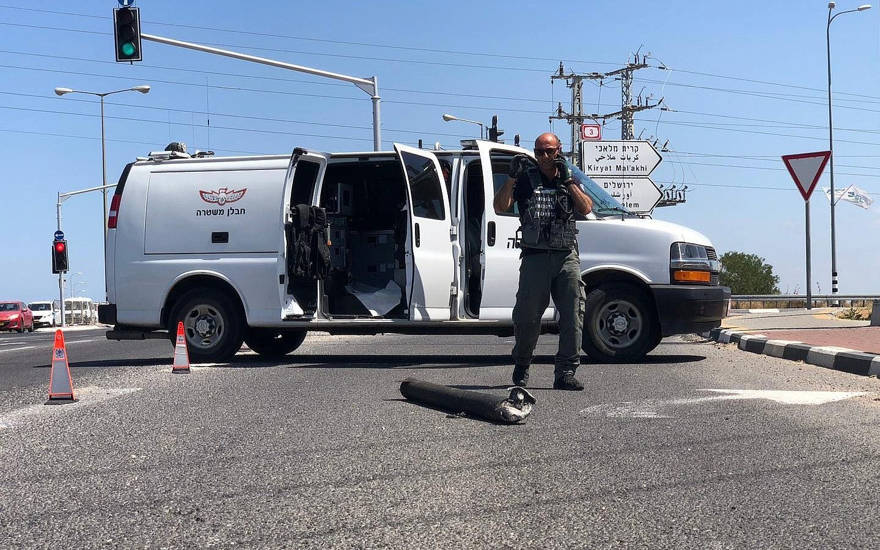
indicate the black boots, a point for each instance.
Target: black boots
{"x":521,"y":375}
{"x":566,"y":381}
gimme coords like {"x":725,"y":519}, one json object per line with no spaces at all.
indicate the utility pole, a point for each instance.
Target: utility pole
{"x":625,"y":114}
{"x":575,"y":82}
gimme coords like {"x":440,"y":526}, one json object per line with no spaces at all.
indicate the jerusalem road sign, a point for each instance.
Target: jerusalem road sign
{"x":638,"y":193}
{"x":618,"y":158}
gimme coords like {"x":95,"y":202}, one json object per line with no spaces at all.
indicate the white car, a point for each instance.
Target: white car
{"x":45,"y":314}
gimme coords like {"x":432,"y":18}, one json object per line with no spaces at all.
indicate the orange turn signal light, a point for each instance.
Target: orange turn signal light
{"x":684,"y":276}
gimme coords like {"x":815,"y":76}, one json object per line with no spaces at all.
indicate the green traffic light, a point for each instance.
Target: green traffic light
{"x":128,"y":49}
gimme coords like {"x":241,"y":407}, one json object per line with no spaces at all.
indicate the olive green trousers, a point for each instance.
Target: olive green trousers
{"x":542,"y":275}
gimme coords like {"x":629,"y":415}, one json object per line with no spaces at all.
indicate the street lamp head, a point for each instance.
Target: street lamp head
{"x":864,"y":7}
{"x":62,"y":91}
{"x":831,"y":5}
{"x":447,"y":117}
{"x":144,"y":89}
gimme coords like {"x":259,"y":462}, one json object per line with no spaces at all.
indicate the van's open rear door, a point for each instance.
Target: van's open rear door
{"x":429,"y":281}
{"x":298,"y":296}
{"x":500,"y":253}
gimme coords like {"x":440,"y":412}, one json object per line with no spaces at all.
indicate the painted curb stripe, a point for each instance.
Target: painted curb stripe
{"x":754,"y":344}
{"x":854,"y":362}
{"x":776,"y":348}
{"x":830,"y":357}
{"x":874,"y":369}
{"x":796,"y":352}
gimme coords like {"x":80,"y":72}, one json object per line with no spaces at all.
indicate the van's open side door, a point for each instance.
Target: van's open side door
{"x":430,"y":263}
{"x":500,"y":238}
{"x":298,"y":297}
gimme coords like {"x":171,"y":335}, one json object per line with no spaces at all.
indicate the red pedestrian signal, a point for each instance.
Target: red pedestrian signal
{"x":59,"y":257}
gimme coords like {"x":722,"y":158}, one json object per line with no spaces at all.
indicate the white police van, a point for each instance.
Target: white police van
{"x":264,"y":249}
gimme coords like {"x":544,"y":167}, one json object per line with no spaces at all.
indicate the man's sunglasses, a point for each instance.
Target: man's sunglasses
{"x":549,"y":151}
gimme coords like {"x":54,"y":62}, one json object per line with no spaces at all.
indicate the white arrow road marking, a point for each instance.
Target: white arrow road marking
{"x":649,"y":408}
{"x":86,"y":397}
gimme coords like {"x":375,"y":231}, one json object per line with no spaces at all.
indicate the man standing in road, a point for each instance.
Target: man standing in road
{"x":547,"y":197}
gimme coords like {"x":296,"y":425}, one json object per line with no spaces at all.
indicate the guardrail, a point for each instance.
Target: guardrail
{"x":762,"y":301}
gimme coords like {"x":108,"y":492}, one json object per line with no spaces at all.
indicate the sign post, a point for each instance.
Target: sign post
{"x":805,"y":170}
{"x":622,"y":168}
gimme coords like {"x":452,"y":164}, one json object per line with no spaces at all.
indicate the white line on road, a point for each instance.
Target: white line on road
{"x":86,"y":397}
{"x":649,"y":408}
{"x":49,"y":346}
{"x":19,"y":349}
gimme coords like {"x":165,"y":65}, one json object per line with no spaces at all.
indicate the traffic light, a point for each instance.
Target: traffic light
{"x":127,"y":33}
{"x":59,"y":257}
{"x":494,"y":132}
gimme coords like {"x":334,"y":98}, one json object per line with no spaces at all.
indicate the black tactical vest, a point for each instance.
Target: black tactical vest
{"x":545,"y":212}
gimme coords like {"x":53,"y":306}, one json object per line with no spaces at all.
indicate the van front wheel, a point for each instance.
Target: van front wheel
{"x":274,"y":343}
{"x":619,"y":326}
{"x":212,"y":325}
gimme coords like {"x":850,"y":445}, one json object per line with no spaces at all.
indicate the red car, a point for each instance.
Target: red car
{"x":16,"y":316}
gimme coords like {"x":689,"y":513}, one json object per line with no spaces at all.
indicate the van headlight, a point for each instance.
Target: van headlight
{"x":693,"y":264}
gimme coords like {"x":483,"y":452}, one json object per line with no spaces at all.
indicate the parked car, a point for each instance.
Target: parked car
{"x":46,"y":314}
{"x":16,"y":316}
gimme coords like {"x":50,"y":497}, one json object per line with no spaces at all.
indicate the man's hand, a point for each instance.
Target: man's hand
{"x":564,"y":170}
{"x":518,"y":165}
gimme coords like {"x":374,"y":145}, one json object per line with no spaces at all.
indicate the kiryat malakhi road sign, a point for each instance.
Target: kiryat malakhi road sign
{"x":619,"y":158}
{"x":622,"y":169}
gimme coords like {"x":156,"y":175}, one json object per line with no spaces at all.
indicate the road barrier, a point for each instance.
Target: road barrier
{"x":788,"y":301}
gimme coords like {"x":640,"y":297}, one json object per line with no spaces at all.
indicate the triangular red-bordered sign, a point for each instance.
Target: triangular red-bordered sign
{"x":805,"y":169}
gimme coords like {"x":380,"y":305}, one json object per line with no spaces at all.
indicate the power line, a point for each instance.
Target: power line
{"x":275,"y":79}
{"x":321,"y":40}
{"x":435,"y":50}
{"x":300,"y":52}
{"x":214,"y":126}
{"x":257,"y":90}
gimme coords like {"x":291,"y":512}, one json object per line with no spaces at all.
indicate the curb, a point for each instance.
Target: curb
{"x":842,"y":359}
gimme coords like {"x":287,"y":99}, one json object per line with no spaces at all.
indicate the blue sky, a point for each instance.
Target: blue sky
{"x":745,"y":84}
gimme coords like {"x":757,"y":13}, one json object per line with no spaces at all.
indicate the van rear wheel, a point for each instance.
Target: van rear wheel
{"x":274,"y":343}
{"x":212,"y":325}
{"x":619,"y":326}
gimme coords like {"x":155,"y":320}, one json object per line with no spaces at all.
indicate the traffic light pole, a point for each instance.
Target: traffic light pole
{"x":369,"y":85}
{"x":61,"y":198}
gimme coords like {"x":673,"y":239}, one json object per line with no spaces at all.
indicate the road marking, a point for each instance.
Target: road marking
{"x":86,"y":397}
{"x":650,"y":408}
{"x":48,"y":345}
{"x":18,"y":349}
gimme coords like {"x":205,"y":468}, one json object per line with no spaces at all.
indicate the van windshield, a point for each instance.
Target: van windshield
{"x":603,"y":203}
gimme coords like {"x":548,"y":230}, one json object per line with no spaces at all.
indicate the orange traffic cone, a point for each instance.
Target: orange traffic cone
{"x":181,"y":356}
{"x":60,"y":382}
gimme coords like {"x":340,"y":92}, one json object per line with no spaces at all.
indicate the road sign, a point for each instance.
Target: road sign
{"x":637,"y":193}
{"x":618,"y":158}
{"x":59,"y":235}
{"x":591,"y":131}
{"x":805,"y":169}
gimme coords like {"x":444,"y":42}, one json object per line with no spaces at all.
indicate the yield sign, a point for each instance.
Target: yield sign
{"x":805,"y":169}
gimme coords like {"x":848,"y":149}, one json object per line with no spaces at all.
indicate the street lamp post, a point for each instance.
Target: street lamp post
{"x":142,"y":89}
{"x":447,"y":118}
{"x":831,"y":6}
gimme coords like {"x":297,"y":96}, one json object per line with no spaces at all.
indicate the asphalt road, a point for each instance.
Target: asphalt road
{"x":320,"y":450}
